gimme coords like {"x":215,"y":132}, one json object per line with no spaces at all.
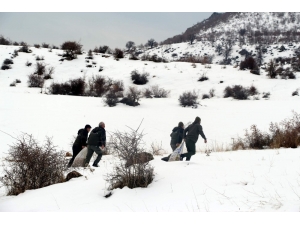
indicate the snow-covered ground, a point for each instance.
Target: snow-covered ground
{"x":225,"y":181}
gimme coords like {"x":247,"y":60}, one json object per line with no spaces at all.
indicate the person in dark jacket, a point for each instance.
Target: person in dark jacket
{"x":97,"y":140}
{"x":193,"y":131}
{"x":80,"y":142}
{"x":176,"y":136}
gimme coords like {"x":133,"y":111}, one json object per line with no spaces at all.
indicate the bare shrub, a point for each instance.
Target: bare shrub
{"x":35,"y":80}
{"x":147,"y":93}
{"x":49,"y":72}
{"x":30,"y":165}
{"x":40,"y":68}
{"x":45,"y":45}
{"x":157,"y":149}
{"x":239,"y":92}
{"x":288,"y":74}
{"x":159,"y":92}
{"x":37,"y":45}
{"x":90,"y":55}
{"x":111,"y":99}
{"x":18,"y":81}
{"x":205,"y":96}
{"x":248,"y":63}
{"x":132,"y":97}
{"x":139,"y":78}
{"x":203,"y":77}
{"x":8,"y":62}
{"x":72,"y":87}
{"x":271,"y":69}
{"x":97,"y":86}
{"x":13,"y":84}
{"x":118,"y":53}
{"x":127,"y":146}
{"x":5,"y":67}
{"x":212,"y":92}
{"x":188,"y":98}
{"x":103,"y":49}
{"x":285,"y":134}
{"x":39,"y":58}
{"x":295,"y":93}
{"x":25,"y":49}
{"x":28,"y":63}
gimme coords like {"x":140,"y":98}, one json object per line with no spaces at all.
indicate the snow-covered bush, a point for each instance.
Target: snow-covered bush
{"x":30,"y":165}
{"x":205,"y":96}
{"x":39,"y":58}
{"x":37,"y":45}
{"x":103,"y":49}
{"x":239,"y":92}
{"x":133,"y":170}
{"x":28,"y":63}
{"x":188,"y":98}
{"x":156,"y":92}
{"x":35,"y":80}
{"x":295,"y":93}
{"x":25,"y":48}
{"x":90,"y":55}
{"x":271,"y":69}
{"x":13,"y":84}
{"x":203,"y":77}
{"x":139,"y":78}
{"x":248,"y":63}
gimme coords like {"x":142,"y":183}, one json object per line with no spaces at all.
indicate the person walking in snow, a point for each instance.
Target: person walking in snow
{"x":80,"y":142}
{"x":193,"y":131}
{"x":97,"y":140}
{"x":176,"y":136}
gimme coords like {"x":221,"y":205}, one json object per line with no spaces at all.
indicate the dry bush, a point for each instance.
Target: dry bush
{"x":18,"y":81}
{"x":132,"y":97}
{"x":128,"y":146}
{"x":40,"y":68}
{"x":8,"y":62}
{"x":295,"y":93}
{"x":212,"y":93}
{"x":248,"y":63}
{"x":13,"y":84}
{"x":30,"y":165}
{"x":37,"y":45}
{"x":147,"y":93}
{"x":103,"y":49}
{"x":205,"y":96}
{"x":25,"y":49}
{"x":139,"y":78}
{"x":158,"y":92}
{"x":72,"y":87}
{"x":133,"y":56}
{"x":118,"y":53}
{"x":97,"y":86}
{"x":271,"y":69}
{"x":203,"y":77}
{"x":39,"y":58}
{"x":189,"y":98}
{"x":35,"y":80}
{"x":72,"y":49}
{"x":286,"y":134}
{"x":197,"y":59}
{"x":49,"y":72}
{"x":5,"y":67}
{"x":156,"y":149}
{"x":45,"y":45}
{"x":28,"y":63}
{"x":111,"y":99}
{"x":239,"y":92}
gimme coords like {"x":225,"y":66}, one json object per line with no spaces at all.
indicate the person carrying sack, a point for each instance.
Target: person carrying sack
{"x":176,"y":136}
{"x":193,"y":131}
{"x":97,"y":140}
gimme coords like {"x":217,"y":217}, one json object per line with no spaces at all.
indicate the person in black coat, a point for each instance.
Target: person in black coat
{"x":176,"y":136}
{"x":80,"y":142}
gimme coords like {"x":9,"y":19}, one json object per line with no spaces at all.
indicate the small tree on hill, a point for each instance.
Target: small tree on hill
{"x":151,"y":42}
{"x":129,"y":45}
{"x":72,"y":48}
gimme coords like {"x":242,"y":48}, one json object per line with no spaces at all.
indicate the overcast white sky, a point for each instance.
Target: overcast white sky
{"x":95,"y":29}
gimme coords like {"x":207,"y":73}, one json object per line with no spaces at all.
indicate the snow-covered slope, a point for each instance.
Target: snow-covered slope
{"x":239,"y":176}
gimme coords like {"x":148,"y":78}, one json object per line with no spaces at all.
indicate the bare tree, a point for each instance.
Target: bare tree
{"x":219,"y":49}
{"x":151,"y":42}
{"x":191,"y":38}
{"x":129,"y":45}
{"x":227,"y":51}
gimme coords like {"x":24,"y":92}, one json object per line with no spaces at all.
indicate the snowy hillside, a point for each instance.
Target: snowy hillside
{"x":225,"y":181}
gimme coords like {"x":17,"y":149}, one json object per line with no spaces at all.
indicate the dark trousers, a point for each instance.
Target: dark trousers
{"x":91,"y":150}
{"x":191,"y":149}
{"x":76,"y":149}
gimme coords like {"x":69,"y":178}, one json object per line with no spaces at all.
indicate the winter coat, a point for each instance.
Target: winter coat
{"x":193,"y":132}
{"x":81,"y":138}
{"x":176,"y":135}
{"x":97,"y":137}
